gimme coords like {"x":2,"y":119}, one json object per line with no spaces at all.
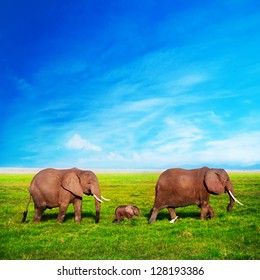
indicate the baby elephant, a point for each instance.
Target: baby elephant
{"x":126,"y":211}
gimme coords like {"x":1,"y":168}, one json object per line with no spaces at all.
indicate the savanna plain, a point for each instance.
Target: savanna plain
{"x":230,"y":235}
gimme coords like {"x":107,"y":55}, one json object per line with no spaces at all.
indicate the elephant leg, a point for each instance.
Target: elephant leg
{"x":77,"y":210}
{"x":203,"y":213}
{"x":211,"y":212}
{"x":154,"y":215}
{"x":129,"y":216}
{"x":117,"y":218}
{"x":206,"y":211}
{"x":38,"y":210}
{"x":172,"y":212}
{"x":62,"y":212}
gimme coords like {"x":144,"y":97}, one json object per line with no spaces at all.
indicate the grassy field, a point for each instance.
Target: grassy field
{"x":230,"y":235}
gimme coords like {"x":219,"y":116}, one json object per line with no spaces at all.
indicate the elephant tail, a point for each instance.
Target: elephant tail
{"x":26,"y":210}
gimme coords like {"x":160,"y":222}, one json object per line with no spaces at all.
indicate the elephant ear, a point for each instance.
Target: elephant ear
{"x":129,"y":210}
{"x":213,"y":182}
{"x":70,"y":182}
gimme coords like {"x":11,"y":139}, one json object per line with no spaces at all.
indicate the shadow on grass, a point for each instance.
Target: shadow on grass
{"x":69,"y":216}
{"x":181,"y":214}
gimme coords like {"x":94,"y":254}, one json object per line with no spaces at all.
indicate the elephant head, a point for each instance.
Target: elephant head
{"x":81,"y":182}
{"x":217,"y":182}
{"x":132,"y":210}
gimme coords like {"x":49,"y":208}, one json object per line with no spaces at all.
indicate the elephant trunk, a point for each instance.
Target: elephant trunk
{"x":98,"y":205}
{"x":98,"y":202}
{"x":95,"y":191}
{"x":230,"y":190}
{"x":137,"y":213}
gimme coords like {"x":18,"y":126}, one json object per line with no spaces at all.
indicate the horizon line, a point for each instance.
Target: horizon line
{"x":31,"y":170}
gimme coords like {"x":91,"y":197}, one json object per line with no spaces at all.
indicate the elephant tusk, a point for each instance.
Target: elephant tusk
{"x":97,"y":198}
{"x":234,"y":198}
{"x":173,"y":220}
{"x":106,"y":199}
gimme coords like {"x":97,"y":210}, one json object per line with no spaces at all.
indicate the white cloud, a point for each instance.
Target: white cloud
{"x":114,"y":156}
{"x":242,"y":149}
{"x":192,"y":79}
{"x":145,"y":104}
{"x":176,"y":133}
{"x":79,"y":143}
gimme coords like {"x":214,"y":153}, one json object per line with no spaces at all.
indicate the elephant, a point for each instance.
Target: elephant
{"x":179,"y":187}
{"x":58,"y":188}
{"x":126,"y":211}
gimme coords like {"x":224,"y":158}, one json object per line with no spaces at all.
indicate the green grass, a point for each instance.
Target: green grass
{"x":230,"y":235}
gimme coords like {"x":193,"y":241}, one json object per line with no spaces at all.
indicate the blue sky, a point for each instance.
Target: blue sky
{"x":129,"y":84}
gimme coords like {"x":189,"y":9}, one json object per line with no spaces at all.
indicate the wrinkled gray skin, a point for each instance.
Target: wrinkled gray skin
{"x":179,"y":187}
{"x":58,"y":188}
{"x":126,"y":211}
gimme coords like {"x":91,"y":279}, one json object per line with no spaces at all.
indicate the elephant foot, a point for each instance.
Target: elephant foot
{"x":208,"y":216}
{"x":60,"y":219}
{"x":153,"y":216}
{"x":207,"y":212}
{"x":151,"y":221}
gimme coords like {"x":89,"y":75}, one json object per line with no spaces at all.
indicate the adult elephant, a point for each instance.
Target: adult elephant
{"x":180,"y":187}
{"x":58,"y":188}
